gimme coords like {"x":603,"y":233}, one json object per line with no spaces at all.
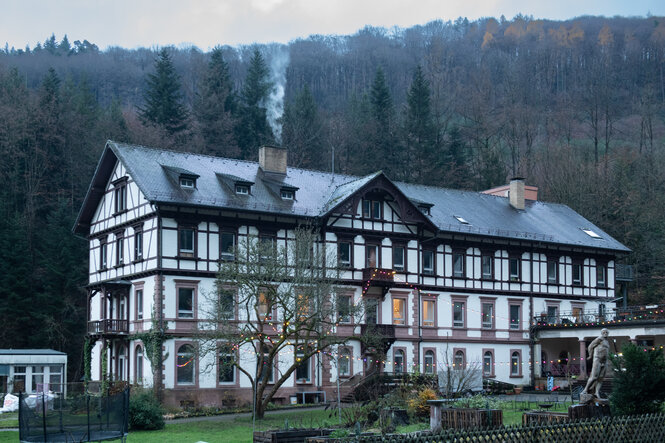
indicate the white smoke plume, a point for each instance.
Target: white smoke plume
{"x":279,"y":61}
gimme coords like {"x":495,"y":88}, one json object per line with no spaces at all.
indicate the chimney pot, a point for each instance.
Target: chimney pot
{"x":516,"y":192}
{"x":272,"y":159}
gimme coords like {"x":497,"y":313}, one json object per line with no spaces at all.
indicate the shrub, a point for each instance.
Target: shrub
{"x":418,"y":406}
{"x":478,"y":402}
{"x":145,"y":412}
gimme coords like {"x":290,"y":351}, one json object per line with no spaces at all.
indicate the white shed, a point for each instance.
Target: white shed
{"x":33,"y":370}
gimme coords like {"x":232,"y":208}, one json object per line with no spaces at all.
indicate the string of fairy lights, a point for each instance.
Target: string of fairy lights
{"x":283,"y":329}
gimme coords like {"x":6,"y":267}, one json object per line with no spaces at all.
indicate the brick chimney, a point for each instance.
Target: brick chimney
{"x":516,"y":192}
{"x":272,"y":159}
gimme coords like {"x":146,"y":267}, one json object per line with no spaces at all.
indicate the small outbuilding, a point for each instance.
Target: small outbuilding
{"x":33,"y":370}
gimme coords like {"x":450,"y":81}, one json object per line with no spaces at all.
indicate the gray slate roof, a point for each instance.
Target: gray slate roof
{"x":320,"y":192}
{"x":30,"y":352}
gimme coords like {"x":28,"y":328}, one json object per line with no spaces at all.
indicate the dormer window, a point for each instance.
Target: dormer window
{"x":187,"y":182}
{"x":287,"y":194}
{"x":372,"y":209}
{"x":242,"y":189}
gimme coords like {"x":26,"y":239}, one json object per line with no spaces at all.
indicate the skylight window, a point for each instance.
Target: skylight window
{"x":187,"y":182}
{"x":591,"y":233}
{"x":461,"y":219}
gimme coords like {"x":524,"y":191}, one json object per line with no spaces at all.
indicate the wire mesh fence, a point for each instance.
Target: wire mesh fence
{"x":47,"y":417}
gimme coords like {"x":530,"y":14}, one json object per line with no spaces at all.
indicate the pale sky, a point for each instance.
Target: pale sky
{"x":207,"y":23}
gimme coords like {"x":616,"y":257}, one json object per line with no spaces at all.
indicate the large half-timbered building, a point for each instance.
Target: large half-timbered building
{"x":453,"y":277}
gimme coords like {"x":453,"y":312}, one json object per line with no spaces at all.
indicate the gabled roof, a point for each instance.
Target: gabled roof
{"x":319,"y":193}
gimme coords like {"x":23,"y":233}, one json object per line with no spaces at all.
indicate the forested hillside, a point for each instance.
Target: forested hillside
{"x":576,"y":107}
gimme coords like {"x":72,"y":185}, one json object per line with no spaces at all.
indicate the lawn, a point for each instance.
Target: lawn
{"x":9,"y":420}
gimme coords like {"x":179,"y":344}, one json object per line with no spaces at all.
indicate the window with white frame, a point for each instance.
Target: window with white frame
{"x":139,"y":364}
{"x":601,"y":275}
{"x":344,"y":308}
{"x":185,"y":302}
{"x":458,"y":314}
{"x":487,"y":314}
{"x":120,"y":194}
{"x":186,"y":241}
{"x":227,"y":246}
{"x":103,"y":254}
{"x":429,"y":313}
{"x":399,"y":311}
{"x":138,"y":293}
{"x":429,"y":362}
{"x":487,"y":266}
{"x":303,"y":370}
{"x":515,"y":364}
{"x":399,"y":364}
{"x":186,"y":365}
{"x":459,"y":360}
{"x":552,"y":271}
{"x":226,"y":362}
{"x":372,"y":256}
{"x":119,"y":250}
{"x":344,"y":254}
{"x":398,"y":258}
{"x":488,"y":363}
{"x":577,"y":274}
{"x":428,"y":262}
{"x":138,"y":245}
{"x":514,"y":268}
{"x":344,"y":362}
{"x":458,"y":264}
{"x":515,"y":322}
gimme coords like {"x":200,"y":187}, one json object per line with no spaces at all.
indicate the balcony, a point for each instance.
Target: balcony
{"x":378,"y":277}
{"x":99,"y":327}
{"x":631,"y":314}
{"x":623,"y":272}
{"x":386,"y":332}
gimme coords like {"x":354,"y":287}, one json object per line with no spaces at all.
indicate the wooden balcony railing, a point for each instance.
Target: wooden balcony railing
{"x":378,"y":276}
{"x":108,"y":327}
{"x":387,"y":332}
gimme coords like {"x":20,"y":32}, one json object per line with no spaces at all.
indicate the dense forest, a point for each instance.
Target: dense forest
{"x":576,"y":107}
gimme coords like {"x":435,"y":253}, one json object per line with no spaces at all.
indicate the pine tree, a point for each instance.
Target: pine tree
{"x":253,"y":129}
{"x":215,"y":106}
{"x":303,"y":130}
{"x":419,"y":129}
{"x":163,"y":99}
{"x":384,"y":143}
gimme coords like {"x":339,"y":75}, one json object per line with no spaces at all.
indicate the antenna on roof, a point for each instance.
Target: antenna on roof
{"x":332,"y":163}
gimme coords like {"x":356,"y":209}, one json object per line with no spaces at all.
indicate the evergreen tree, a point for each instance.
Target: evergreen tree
{"x":163,"y":99}
{"x":64,"y":48}
{"x":384,"y":146}
{"x":253,"y":129}
{"x":303,"y":130}
{"x":638,"y":386}
{"x":215,"y":106}
{"x":454,"y":162}
{"x":51,"y":45}
{"x":419,"y":129}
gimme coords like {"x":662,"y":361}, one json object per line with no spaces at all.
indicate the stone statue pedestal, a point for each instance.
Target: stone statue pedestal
{"x":596,"y":409}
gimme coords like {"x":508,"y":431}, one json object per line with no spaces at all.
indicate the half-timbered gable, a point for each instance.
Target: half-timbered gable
{"x":450,"y":276}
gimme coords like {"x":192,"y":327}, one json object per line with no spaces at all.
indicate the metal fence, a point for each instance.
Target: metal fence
{"x":649,"y":428}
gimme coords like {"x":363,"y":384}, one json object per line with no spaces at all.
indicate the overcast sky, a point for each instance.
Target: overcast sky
{"x":206,"y":23}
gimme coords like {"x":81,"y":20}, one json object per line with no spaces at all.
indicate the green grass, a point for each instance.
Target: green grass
{"x":9,"y":420}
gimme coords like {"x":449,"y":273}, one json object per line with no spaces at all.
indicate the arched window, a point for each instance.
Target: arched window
{"x":186,"y":365}
{"x":399,"y":362}
{"x":428,"y":362}
{"x":344,"y":362}
{"x":138,"y":365}
{"x":459,"y":360}
{"x":515,"y":363}
{"x":488,"y":363}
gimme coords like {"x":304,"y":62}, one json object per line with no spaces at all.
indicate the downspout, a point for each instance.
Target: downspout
{"x":159,"y":373}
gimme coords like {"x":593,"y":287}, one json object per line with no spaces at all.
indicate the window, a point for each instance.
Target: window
{"x":488,"y":364}
{"x":578,"y":312}
{"x":577,"y":274}
{"x":514,"y":268}
{"x":120,"y":193}
{"x":344,"y":308}
{"x":38,"y":379}
{"x":266,"y":247}
{"x":227,"y":299}
{"x":242,"y":189}
{"x":138,"y":245}
{"x":458,"y":264}
{"x":601,"y":275}
{"x":601,"y":312}
{"x":428,"y":363}
{"x":344,"y":363}
{"x":459,"y":360}
{"x":287,"y":194}
{"x":186,"y":241}
{"x":344,"y":254}
{"x":487,"y":314}
{"x":372,"y":209}
{"x":552,"y":314}
{"x":399,"y":311}
{"x":187,"y":182}
{"x":398,"y":258}
{"x":400,"y":362}
{"x":486,"y":264}
{"x":138,"y":293}
{"x":119,"y":250}
{"x":19,"y":379}
{"x":263,"y":307}
{"x":55,"y":378}
{"x":185,"y":302}
{"x":458,"y":314}
{"x":103,"y":254}
{"x":227,"y":370}
{"x":591,"y":233}
{"x":138,"y":365}
{"x":428,"y":262}
{"x":371,"y":311}
{"x":515,"y":364}
{"x":303,"y":370}
{"x":372,"y":256}
{"x":428,"y":313}
{"x":227,"y":246}
{"x":461,"y":219}
{"x":185,"y":365}
{"x":515,"y":317}
{"x":552,"y":267}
